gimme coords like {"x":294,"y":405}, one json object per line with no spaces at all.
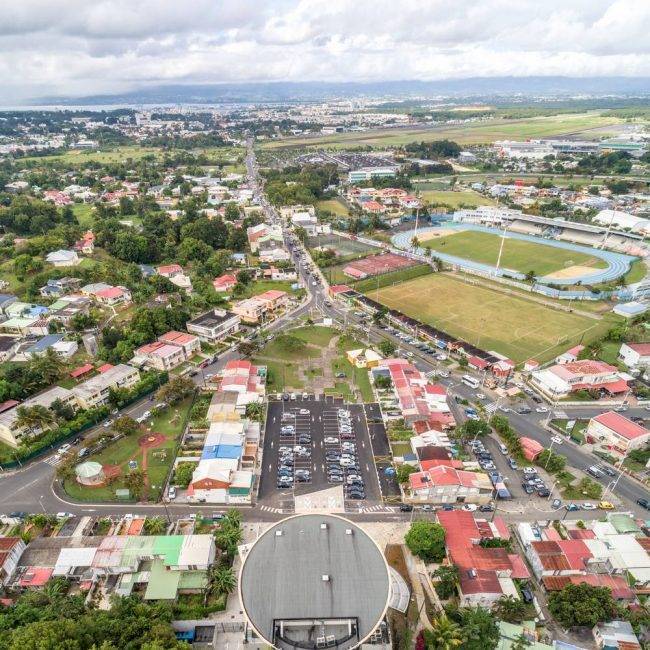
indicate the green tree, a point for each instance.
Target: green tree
{"x":34,"y":417}
{"x":426,"y":540}
{"x":221,"y":579}
{"x":479,"y":629}
{"x":447,"y":577}
{"x":183,"y":474}
{"x":387,"y":348}
{"x":135,"y":481}
{"x":444,"y":635}
{"x":511,"y":609}
{"x":473,"y":428}
{"x":155,"y":525}
{"x":582,"y":605}
{"x":126,"y":425}
{"x":403,"y":472}
{"x":176,"y":390}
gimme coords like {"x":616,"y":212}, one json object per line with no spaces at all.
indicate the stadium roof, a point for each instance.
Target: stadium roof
{"x":320,"y":567}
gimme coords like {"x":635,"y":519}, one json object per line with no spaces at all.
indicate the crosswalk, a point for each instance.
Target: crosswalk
{"x":377,"y":508}
{"x":277,"y":511}
{"x":491,"y":408}
{"x":54,"y":461}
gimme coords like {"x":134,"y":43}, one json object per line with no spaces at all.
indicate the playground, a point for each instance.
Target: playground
{"x":149,"y":450}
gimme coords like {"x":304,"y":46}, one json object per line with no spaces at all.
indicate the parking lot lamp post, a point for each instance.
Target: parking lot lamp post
{"x":550,"y":453}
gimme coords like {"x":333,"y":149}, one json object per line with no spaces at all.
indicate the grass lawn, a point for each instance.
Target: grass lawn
{"x":84,"y":214}
{"x":518,"y":255}
{"x":335,"y":206}
{"x":170,"y":424}
{"x":491,"y":320}
{"x":316,"y":334}
{"x":472,"y":133}
{"x":279,"y":375}
{"x":636,"y":273}
{"x":455,"y":199}
{"x":260,"y":286}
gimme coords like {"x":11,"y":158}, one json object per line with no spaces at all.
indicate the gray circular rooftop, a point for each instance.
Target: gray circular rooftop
{"x":314,"y":577}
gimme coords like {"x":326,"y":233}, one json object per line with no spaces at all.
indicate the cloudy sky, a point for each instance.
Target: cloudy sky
{"x":81,"y":47}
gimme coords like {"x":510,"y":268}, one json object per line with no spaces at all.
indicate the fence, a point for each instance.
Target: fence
{"x":20,"y":461}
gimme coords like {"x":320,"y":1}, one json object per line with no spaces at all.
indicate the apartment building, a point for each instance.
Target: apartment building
{"x":617,"y":433}
{"x":161,"y":356}
{"x":95,"y":391}
{"x":11,"y":433}
{"x":215,"y":325}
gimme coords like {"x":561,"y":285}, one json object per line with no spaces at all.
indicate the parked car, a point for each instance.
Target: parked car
{"x":644,"y":503}
{"x":572,"y":507}
{"x":488,"y":507}
{"x":606,"y":505}
{"x":470,"y":507}
{"x":588,"y":506}
{"x":556,"y":440}
{"x":406,"y":507}
{"x":172,"y":492}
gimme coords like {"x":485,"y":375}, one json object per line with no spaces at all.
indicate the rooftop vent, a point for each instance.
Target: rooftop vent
{"x":348,"y":531}
{"x":278,"y":533}
{"x":323,"y":526}
{"x":325,"y":578}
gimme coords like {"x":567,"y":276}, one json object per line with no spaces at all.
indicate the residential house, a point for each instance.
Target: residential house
{"x":55,"y":288}
{"x":363,"y":358}
{"x":93,"y":288}
{"x":11,"y":548}
{"x":159,"y":566}
{"x":8,"y":347}
{"x":95,"y":391}
{"x":485,"y":574}
{"x":558,"y":381}
{"x":615,"y":635}
{"x":175,"y":274}
{"x":214,"y":326}
{"x":6,"y":300}
{"x":224,"y":283}
{"x":63,"y":258}
{"x":618,"y":434}
{"x":161,"y":356}
{"x":444,"y":484}
{"x":570,"y":355}
{"x":113,"y":296}
{"x":64,"y":349}
{"x":86,"y":244}
{"x":191,"y":344}
{"x":635,"y":355}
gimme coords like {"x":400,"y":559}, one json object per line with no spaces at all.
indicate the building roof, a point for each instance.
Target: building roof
{"x":177,"y":338}
{"x":112,"y":292}
{"x":642,"y":349}
{"x":621,"y":425}
{"x":81,"y":370}
{"x":356,"y":584}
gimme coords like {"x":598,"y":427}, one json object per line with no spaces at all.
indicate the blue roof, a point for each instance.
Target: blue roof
{"x":210,"y":452}
{"x":44,"y":343}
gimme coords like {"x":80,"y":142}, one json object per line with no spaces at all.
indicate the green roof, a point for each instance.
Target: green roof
{"x":510,"y":632}
{"x":163,"y":584}
{"x":193,"y":580}
{"x":623,"y":523}
{"x":166,"y":547}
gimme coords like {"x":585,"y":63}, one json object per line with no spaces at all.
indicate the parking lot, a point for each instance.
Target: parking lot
{"x":312,"y":445}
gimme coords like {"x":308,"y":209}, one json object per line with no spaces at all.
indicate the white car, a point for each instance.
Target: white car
{"x":304,"y":411}
{"x":480,"y":395}
{"x":588,"y":506}
{"x":541,"y":409}
{"x":331,"y":440}
{"x":63,"y":449}
{"x":470,"y":507}
{"x":557,"y":440}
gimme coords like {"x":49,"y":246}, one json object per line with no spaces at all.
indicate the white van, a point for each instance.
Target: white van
{"x":503,"y":449}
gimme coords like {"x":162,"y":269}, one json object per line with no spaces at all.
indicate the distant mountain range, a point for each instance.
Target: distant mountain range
{"x":476,"y":87}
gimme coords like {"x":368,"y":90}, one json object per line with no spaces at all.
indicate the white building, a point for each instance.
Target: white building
{"x":620,"y":219}
{"x":63,"y":258}
{"x":618,"y":433}
{"x":95,"y":391}
{"x":635,"y":355}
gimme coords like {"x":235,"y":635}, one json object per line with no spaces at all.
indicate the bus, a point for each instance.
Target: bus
{"x":470,"y":381}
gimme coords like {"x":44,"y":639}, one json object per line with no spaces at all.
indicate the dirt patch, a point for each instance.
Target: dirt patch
{"x":569,"y":272}
{"x":111,"y":471}
{"x":151,"y":440}
{"x":427,"y":235}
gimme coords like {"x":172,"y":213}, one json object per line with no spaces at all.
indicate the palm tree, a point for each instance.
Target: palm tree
{"x":228,"y":538}
{"x":155,"y":525}
{"x":415,"y":242}
{"x":444,"y":635}
{"x":222,"y":579}
{"x":48,"y":365}
{"x":34,"y":417}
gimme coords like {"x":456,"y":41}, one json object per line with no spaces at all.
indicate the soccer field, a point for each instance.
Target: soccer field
{"x":517,"y":327}
{"x":518,"y":255}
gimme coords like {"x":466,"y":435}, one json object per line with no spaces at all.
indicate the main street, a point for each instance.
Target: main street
{"x":34,"y":488}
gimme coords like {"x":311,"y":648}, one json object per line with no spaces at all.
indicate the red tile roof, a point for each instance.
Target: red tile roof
{"x":621,"y":425}
{"x":81,"y":370}
{"x":112,"y":292}
{"x":478,"y":363}
{"x":35,"y":576}
{"x":105,"y":367}
{"x":642,"y":348}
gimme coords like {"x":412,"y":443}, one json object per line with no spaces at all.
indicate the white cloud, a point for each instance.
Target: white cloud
{"x":79,"y":47}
